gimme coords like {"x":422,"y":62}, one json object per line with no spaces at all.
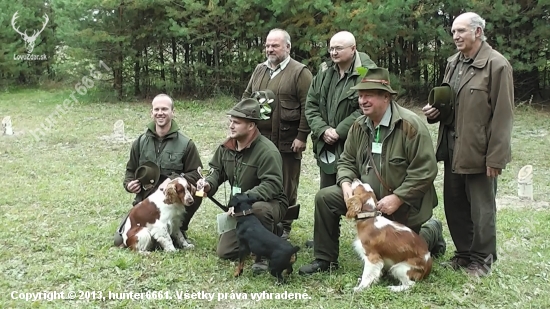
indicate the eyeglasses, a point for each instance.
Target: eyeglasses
{"x":337,"y":48}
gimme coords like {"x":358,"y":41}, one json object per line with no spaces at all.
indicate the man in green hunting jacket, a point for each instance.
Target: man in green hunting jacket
{"x":252,"y":164}
{"x":402,"y":152}
{"x":331,"y":104}
{"x":173,"y":152}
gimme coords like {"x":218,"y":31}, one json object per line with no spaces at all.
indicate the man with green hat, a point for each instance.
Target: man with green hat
{"x":252,"y":164}
{"x":164,"y":152}
{"x":390,"y":148}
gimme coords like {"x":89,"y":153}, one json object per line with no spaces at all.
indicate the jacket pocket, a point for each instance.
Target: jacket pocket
{"x":290,"y":110}
{"x":172,"y":161}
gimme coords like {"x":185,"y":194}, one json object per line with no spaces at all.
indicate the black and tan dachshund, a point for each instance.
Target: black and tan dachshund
{"x":254,"y":238}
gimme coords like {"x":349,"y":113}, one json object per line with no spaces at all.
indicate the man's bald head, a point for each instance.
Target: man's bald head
{"x":345,"y":37}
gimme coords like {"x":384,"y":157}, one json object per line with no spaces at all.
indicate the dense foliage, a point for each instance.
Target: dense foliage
{"x":200,"y":48}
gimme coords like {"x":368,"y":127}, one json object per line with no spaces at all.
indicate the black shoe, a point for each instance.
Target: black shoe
{"x":440,"y":246}
{"x":476,"y":269}
{"x":317,"y":266}
{"x":456,"y":263}
{"x":309,"y":244}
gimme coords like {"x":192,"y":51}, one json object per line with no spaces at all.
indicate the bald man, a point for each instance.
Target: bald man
{"x":287,"y":126}
{"x":474,"y":142}
{"x":332,"y":106}
{"x":174,"y":153}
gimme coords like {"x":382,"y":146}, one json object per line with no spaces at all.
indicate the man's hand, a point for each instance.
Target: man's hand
{"x":430,"y":112}
{"x":202,"y":184}
{"x":346,"y":190}
{"x":330,"y":136}
{"x":231,"y":211}
{"x":493,"y":172}
{"x":298,"y":145}
{"x":389,"y":204}
{"x":134,"y":186}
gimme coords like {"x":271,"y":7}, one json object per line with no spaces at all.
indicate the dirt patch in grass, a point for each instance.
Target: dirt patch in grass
{"x":514,"y":202}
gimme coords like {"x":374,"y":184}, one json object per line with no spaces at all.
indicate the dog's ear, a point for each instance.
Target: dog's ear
{"x":181,"y":192}
{"x":170,"y":194}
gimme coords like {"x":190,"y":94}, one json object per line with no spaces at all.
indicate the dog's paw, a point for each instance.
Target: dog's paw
{"x":188,"y":246}
{"x":237,"y":272}
{"x":399,"y":288}
{"x":173,"y":249}
{"x":358,"y":288}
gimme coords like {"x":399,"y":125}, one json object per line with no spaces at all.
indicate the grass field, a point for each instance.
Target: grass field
{"x":62,"y":198}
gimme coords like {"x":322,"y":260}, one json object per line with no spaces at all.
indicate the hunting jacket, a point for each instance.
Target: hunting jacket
{"x":483,"y":114}
{"x":407,"y":163}
{"x":256,"y":169}
{"x":287,"y":121}
{"x":347,"y":108}
{"x":174,"y":154}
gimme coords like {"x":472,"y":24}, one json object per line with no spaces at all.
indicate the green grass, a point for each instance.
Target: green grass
{"x":62,"y":198}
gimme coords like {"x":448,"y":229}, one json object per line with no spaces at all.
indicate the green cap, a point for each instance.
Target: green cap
{"x":442,"y":98}
{"x":375,"y":79}
{"x":247,"y":108}
{"x":148,"y":175}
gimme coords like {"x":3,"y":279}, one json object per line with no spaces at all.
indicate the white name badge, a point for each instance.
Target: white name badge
{"x":226,"y":223}
{"x":235,"y":190}
{"x":376,"y":148}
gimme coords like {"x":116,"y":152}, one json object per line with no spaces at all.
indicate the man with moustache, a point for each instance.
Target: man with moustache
{"x":474,"y":141}
{"x":287,"y":126}
{"x":170,"y":150}
{"x":252,"y":164}
{"x":331,"y":105}
{"x":390,"y":148}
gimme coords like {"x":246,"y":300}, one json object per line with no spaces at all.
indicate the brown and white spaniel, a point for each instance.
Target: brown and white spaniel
{"x":158,"y":218}
{"x":385,"y":245}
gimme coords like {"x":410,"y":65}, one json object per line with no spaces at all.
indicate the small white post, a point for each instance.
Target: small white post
{"x":6,"y":125}
{"x":525,"y":182}
{"x":119,"y":129}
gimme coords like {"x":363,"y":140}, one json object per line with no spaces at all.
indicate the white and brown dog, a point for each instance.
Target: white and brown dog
{"x":385,"y":245}
{"x":158,"y":218}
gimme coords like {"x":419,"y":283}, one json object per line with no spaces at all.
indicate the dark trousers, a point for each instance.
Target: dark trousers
{"x":326,"y":180}
{"x":269,"y":213}
{"x":329,"y":207}
{"x":470,"y":209}
{"x":292,"y":165}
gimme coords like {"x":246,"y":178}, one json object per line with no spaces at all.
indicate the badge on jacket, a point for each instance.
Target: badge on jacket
{"x":376,"y":148}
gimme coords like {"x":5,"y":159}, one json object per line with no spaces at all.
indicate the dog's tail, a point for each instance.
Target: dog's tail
{"x":294,"y":256}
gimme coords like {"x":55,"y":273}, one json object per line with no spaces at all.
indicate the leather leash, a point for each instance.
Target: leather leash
{"x":224,"y":208}
{"x":378,"y":174}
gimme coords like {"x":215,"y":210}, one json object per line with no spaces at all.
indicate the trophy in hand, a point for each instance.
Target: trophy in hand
{"x":200,"y":189}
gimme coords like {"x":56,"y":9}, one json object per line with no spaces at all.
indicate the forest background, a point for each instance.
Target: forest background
{"x":201,"y":49}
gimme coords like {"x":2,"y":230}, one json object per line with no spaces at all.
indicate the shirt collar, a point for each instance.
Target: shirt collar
{"x":385,"y":119}
{"x":463,"y":58}
{"x":281,"y":65}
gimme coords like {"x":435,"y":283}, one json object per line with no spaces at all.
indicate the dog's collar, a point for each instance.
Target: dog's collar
{"x":367,"y":214}
{"x":243,"y":213}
